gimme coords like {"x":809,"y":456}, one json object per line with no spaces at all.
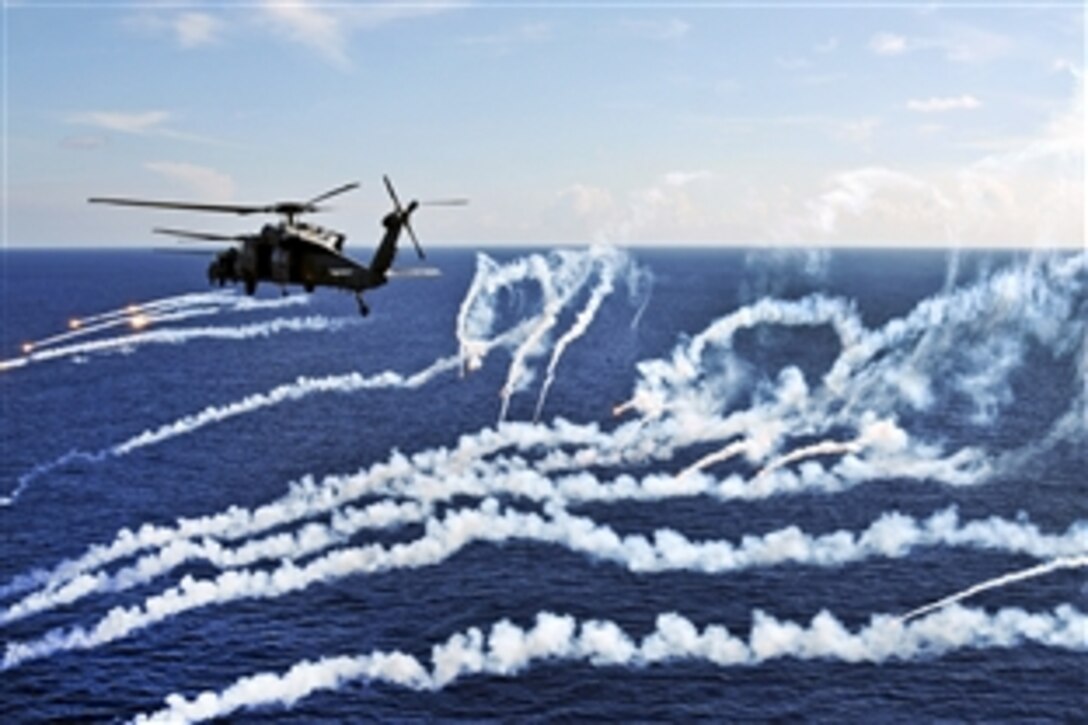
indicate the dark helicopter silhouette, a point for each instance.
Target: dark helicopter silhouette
{"x":293,"y":252}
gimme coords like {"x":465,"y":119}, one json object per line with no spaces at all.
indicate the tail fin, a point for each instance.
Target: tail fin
{"x":387,"y":248}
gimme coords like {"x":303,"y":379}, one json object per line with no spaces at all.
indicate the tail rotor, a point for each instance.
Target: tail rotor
{"x":405,"y":212}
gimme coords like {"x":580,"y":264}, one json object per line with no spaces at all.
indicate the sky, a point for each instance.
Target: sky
{"x":743,"y":124}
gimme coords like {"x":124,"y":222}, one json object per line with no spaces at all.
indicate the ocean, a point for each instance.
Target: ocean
{"x":577,"y":484}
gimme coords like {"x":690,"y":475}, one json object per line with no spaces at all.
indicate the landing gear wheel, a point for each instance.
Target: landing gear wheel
{"x":251,"y":286}
{"x":363,"y":309}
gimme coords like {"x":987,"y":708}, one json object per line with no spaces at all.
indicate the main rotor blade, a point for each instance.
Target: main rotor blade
{"x":333,"y":192}
{"x":200,"y":236}
{"x":184,"y":205}
{"x":392,"y":193}
{"x":444,"y":202}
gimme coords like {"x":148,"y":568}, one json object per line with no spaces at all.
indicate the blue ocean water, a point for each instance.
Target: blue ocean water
{"x":1014,"y":387}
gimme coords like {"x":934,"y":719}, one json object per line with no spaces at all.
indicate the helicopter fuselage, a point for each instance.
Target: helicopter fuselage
{"x":301,"y":254}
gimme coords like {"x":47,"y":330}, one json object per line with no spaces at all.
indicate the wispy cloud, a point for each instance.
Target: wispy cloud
{"x":828,"y":46}
{"x":873,"y":191}
{"x":326,"y":29}
{"x":202,"y":182}
{"x":664,"y":210}
{"x":793,"y":63}
{"x":196,"y":29}
{"x":851,"y":130}
{"x":311,"y":26}
{"x":85,"y":142}
{"x":505,"y":42}
{"x":189,"y":29}
{"x":940,"y":105}
{"x":858,"y":131}
{"x":1028,"y":191}
{"x":666,"y":29}
{"x":140,"y":122}
{"x":888,"y":44}
{"x":959,"y":43}
{"x":136,"y":123}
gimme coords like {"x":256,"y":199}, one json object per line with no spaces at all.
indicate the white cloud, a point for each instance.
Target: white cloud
{"x":965,"y":44}
{"x":326,"y":28}
{"x":665,"y":210}
{"x":888,"y":44}
{"x":311,"y":26}
{"x":828,"y":46}
{"x":202,"y":182}
{"x":587,"y":200}
{"x":196,"y":29}
{"x":136,"y":123}
{"x":668,"y":29}
{"x":683,"y":178}
{"x":504,"y":42}
{"x":960,"y":44}
{"x":1064,"y":65}
{"x":857,"y":131}
{"x":141,"y":122}
{"x":939,"y":105}
{"x":793,"y":63}
{"x":189,"y":29}
{"x":1030,"y":192}
{"x":882,"y":198}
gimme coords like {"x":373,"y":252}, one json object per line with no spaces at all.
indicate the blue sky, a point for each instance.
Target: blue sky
{"x":846,"y":124}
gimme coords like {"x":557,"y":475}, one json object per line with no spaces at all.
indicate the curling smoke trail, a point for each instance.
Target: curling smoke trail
{"x":506,"y":650}
{"x":581,"y":323}
{"x":560,"y":281}
{"x":1072,"y":562}
{"x":561,"y":277}
{"x":438,"y":475}
{"x":891,"y":536}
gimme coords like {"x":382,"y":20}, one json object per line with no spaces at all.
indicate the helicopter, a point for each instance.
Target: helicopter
{"x":295,"y":252}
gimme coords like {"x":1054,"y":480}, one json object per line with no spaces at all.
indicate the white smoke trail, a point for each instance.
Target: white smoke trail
{"x":823,"y":448}
{"x":581,"y":323}
{"x":878,"y":373}
{"x":43,"y":469}
{"x":720,"y":456}
{"x":299,"y":389}
{"x":307,"y":540}
{"x":169,"y":309}
{"x":1071,"y":562}
{"x":476,"y":316}
{"x":561,"y":277}
{"x":892,"y":535}
{"x":439,"y":474}
{"x":179,"y":336}
{"x":506,"y":650}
